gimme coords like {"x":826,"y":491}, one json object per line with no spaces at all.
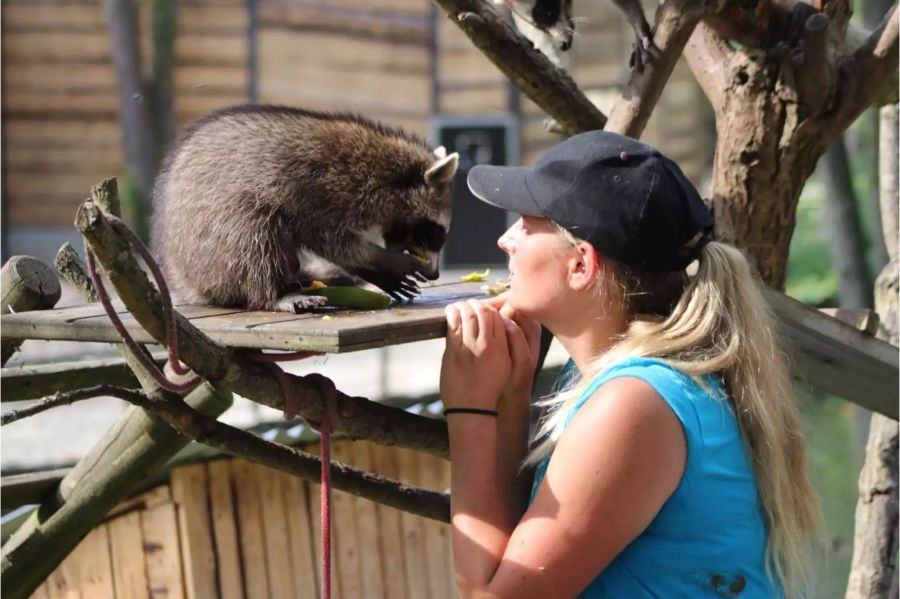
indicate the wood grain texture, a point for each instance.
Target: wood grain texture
{"x":224,"y":524}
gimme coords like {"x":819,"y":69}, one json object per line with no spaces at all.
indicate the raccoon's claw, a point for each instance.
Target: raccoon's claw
{"x":298,"y":303}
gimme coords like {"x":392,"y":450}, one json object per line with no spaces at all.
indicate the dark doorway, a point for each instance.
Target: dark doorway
{"x":476,"y":226}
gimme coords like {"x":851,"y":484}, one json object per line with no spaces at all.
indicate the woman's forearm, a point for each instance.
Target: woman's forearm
{"x":512,"y":427}
{"x":482,"y":513}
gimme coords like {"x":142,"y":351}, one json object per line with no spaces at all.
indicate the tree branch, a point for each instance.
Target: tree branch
{"x":708,"y":55}
{"x":538,"y":78}
{"x":360,"y":418}
{"x":867,"y":77}
{"x":675,"y":22}
{"x":68,"y":397}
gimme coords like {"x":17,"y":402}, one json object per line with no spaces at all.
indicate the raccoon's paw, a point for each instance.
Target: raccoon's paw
{"x":298,"y":303}
{"x":398,"y":281}
{"x":642,"y":52}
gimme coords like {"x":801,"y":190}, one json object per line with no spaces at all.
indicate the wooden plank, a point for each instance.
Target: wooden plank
{"x":126,"y":542}
{"x":156,"y":496}
{"x":300,"y":536}
{"x":91,"y":562}
{"x":250,"y":529}
{"x":228,"y":552}
{"x":836,"y":358}
{"x":346,"y":543}
{"x":434,"y":473}
{"x":371,"y":566}
{"x":161,"y":552}
{"x":865,"y":321}
{"x":35,"y":47}
{"x":275,"y":531}
{"x":191,"y":496}
{"x":84,"y":573}
{"x":347,"y":330}
{"x":416,"y":563}
{"x":390,"y":532}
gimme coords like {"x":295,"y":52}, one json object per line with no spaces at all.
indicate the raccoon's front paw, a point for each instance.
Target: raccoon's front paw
{"x":397,"y":276}
{"x":642,"y":51}
{"x":298,"y":303}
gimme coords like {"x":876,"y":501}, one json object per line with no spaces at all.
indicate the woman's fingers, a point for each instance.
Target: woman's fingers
{"x":469,"y":323}
{"x":518,"y":344}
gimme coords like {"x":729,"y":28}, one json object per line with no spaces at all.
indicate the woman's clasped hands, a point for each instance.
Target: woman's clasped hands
{"x":490,"y":356}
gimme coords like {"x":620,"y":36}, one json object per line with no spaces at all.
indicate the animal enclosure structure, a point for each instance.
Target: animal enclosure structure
{"x":229,"y":528}
{"x":400,"y":61}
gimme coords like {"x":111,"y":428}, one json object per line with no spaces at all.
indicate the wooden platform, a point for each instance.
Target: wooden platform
{"x":343,"y":330}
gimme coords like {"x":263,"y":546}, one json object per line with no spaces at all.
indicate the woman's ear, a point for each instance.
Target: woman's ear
{"x":584,"y":266}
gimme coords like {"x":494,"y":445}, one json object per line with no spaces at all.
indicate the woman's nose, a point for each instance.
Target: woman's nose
{"x":505,"y":242}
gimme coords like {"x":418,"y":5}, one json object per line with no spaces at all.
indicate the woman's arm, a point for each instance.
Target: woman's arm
{"x":619,"y":460}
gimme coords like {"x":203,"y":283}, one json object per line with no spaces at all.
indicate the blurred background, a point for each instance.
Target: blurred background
{"x":93,"y":89}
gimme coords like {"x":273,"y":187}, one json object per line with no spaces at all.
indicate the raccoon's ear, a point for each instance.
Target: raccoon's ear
{"x":442,"y":171}
{"x":440,"y":152}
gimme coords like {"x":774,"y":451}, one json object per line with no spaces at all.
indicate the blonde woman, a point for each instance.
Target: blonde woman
{"x":672,"y":463}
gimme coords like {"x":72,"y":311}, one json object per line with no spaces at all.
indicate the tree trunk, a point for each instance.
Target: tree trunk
{"x":873,"y":570}
{"x":843,"y":229}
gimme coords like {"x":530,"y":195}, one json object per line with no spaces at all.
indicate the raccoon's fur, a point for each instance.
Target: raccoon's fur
{"x":252,"y":198}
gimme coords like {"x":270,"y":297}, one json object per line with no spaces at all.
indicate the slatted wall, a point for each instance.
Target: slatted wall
{"x":60,"y":109}
{"x":370,"y":57}
{"x":232,"y":529}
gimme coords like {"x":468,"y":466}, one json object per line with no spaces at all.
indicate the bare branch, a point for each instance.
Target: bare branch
{"x":708,"y":56}
{"x":815,"y":74}
{"x":69,"y":397}
{"x":211,"y":432}
{"x":538,"y":78}
{"x":867,"y":77}
{"x":675,"y":22}
{"x":69,"y":266}
{"x":360,"y":418}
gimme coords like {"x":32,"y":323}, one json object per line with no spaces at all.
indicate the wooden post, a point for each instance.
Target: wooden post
{"x":873,"y":571}
{"x":26,"y":283}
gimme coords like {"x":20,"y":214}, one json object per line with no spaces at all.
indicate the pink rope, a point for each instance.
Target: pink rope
{"x":330,"y":418}
{"x":137,"y":350}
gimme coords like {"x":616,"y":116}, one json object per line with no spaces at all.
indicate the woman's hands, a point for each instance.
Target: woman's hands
{"x":491,"y":353}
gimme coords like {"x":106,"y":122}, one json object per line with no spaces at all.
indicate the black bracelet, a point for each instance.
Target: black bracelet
{"x":481,"y":411}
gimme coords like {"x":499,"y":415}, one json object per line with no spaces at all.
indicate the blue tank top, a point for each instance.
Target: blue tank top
{"x":709,"y":537}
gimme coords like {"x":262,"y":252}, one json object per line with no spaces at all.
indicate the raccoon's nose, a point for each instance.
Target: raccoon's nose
{"x":432,"y":275}
{"x":565,"y":44}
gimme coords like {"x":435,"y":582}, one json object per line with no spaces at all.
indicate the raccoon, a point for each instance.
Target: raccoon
{"x":549,"y":25}
{"x":254,"y":200}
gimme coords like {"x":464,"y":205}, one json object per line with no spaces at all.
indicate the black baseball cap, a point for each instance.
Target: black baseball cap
{"x":632,"y":203}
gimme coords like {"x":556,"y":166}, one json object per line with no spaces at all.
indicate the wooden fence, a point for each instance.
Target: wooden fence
{"x":396,"y":60}
{"x":232,"y":529}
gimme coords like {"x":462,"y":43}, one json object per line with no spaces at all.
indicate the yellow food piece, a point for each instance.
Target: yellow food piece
{"x":314,"y":285}
{"x":326,"y":317}
{"x":475,"y":276}
{"x":496,"y":289}
{"x":421,"y":259}
{"x":340,"y":296}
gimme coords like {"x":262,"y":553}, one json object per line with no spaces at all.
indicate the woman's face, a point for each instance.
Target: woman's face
{"x":537,"y":266}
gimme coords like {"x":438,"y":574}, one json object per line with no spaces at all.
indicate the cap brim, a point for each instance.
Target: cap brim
{"x":503,"y":187}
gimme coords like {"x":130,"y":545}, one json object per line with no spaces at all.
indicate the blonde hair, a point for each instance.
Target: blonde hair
{"x":721,"y":324}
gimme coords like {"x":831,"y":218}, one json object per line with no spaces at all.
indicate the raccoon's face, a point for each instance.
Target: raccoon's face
{"x":422,"y":231}
{"x":553,"y":17}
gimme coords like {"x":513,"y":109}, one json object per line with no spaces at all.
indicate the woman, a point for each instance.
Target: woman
{"x":672,"y":464}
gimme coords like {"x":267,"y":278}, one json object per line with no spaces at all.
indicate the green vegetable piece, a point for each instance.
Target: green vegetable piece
{"x":349,"y":296}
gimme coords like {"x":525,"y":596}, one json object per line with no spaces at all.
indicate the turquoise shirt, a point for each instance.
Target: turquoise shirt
{"x":709,"y":538}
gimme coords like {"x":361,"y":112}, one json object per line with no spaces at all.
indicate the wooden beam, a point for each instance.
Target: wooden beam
{"x":837,"y":358}
{"x":32,"y":382}
{"x":31,"y":488}
{"x":26,"y":283}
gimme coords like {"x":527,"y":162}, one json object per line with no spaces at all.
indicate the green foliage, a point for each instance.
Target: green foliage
{"x":835,"y":453}
{"x":811,"y":277}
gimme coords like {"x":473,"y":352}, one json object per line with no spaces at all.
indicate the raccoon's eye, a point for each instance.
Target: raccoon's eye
{"x":428,"y":234}
{"x":545,"y":13}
